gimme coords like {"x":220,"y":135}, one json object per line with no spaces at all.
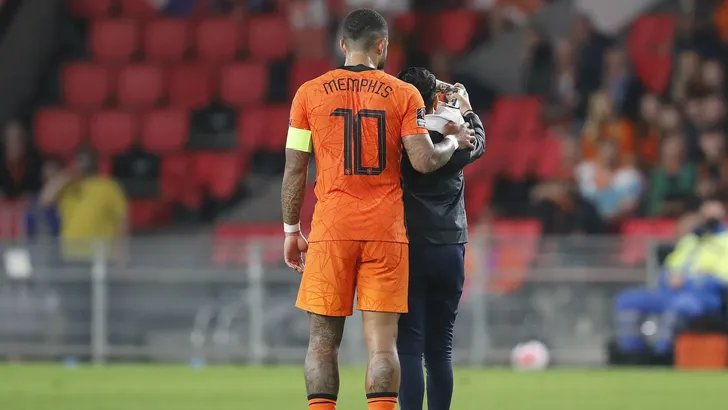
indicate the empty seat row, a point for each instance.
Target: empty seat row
{"x":60,"y":132}
{"x":191,"y":85}
{"x":216,"y":39}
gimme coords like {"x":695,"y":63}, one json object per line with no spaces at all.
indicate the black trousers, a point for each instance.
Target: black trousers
{"x":437,"y":273}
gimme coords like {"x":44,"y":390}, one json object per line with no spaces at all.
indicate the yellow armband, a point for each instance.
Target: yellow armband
{"x":298,"y":139}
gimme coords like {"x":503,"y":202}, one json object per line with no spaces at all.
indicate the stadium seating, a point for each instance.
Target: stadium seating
{"x":303,"y":71}
{"x":456,"y":29}
{"x":218,"y":39}
{"x":650,"y":48}
{"x":85,"y":85}
{"x":58,"y":132}
{"x":112,"y":132}
{"x":638,"y":233}
{"x":166,"y":40}
{"x":114,"y":41}
{"x":138,"y":9}
{"x":244,"y":83}
{"x":190,"y":85}
{"x":164,"y":131}
{"x":92,"y":8}
{"x":277,"y":34}
{"x":140,"y":86}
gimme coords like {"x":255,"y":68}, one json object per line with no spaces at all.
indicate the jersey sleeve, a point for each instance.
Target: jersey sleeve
{"x":299,"y":129}
{"x":413,"y":121}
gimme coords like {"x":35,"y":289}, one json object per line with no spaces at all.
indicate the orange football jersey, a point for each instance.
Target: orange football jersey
{"x":357,"y":117}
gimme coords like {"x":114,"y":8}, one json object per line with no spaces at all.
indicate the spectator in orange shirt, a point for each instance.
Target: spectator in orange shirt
{"x":602,"y":124}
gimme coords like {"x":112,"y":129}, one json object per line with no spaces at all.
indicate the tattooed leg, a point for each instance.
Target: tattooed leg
{"x":383,"y":372}
{"x":322,"y":361}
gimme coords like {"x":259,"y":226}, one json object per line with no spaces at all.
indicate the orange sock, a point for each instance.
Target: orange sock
{"x":382,"y":401}
{"x":321,"y":402}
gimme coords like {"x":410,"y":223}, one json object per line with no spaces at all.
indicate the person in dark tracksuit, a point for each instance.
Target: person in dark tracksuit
{"x":437,"y":230}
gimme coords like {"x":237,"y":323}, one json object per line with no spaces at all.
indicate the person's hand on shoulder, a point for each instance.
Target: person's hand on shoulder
{"x":462,"y":98}
{"x":463,"y":134}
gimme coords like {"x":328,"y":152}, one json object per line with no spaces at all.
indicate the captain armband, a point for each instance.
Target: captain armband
{"x":299,"y":139}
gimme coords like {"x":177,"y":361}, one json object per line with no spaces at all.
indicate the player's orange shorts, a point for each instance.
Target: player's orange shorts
{"x":334,"y":270}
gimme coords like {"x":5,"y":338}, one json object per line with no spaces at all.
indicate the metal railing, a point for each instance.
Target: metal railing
{"x":201,"y":299}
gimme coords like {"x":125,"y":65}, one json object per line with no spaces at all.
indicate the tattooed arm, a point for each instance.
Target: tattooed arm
{"x":294,"y":185}
{"x":428,"y":157}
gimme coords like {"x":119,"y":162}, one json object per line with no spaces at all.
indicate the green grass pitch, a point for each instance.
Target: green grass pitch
{"x":52,"y":387}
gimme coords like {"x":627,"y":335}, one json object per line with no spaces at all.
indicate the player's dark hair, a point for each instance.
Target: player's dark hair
{"x":363,"y":28}
{"x":424,"y":81}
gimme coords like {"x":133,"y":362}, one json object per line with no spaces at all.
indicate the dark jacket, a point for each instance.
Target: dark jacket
{"x":434,"y":203}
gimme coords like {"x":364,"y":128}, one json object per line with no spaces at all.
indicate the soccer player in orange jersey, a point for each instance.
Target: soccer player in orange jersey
{"x":357,"y":120}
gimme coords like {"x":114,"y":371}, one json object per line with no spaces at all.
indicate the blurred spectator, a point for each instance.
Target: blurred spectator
{"x":612,"y":187}
{"x":590,"y":47}
{"x":713,"y":170}
{"x":616,"y":79}
{"x":558,"y":204}
{"x":539,"y":62}
{"x":693,"y":285}
{"x":647,"y":131}
{"x":308,"y":14}
{"x":20,"y":166}
{"x":712,"y":77}
{"x":686,"y":76}
{"x":672,"y":185}
{"x":42,"y":220}
{"x":563,"y":82}
{"x":91,"y":207}
{"x":603,"y":123}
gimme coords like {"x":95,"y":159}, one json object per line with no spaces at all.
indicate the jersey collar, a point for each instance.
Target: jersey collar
{"x":356,"y":68}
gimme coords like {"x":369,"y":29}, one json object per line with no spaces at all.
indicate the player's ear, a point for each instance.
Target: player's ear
{"x":342,"y":46}
{"x":382,"y":46}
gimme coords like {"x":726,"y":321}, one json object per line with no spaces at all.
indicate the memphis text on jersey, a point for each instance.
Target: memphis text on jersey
{"x":359,"y":85}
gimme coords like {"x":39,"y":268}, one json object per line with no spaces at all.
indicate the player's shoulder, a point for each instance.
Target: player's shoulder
{"x":314,"y":86}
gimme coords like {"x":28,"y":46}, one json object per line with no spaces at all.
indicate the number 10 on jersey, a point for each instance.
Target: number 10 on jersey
{"x":353,"y":140}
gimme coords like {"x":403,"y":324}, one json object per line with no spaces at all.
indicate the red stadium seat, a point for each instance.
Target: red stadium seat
{"x":251,"y":129}
{"x":165,"y":130}
{"x":140,"y":86}
{"x":530,"y":125}
{"x":226,"y":178}
{"x":91,"y":9}
{"x":142,"y":213}
{"x":638,"y":232}
{"x":190,"y":86}
{"x":174,"y":177}
{"x":477,"y":197}
{"x":112,"y":132}
{"x":218,"y":39}
{"x":138,"y":9}
{"x":457,"y":29}
{"x":217,"y":172}
{"x":650,"y":48}
{"x":58,"y":131}
{"x":244,"y":83}
{"x":114,"y":41}
{"x":549,"y":160}
{"x":166,"y":40}
{"x":395,"y":60}
{"x":276,"y":129}
{"x":311,"y":43}
{"x":520,"y":165}
{"x":277,"y":34}
{"x":303,"y":71}
{"x":86,"y":85}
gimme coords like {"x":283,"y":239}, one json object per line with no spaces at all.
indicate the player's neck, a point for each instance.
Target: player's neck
{"x":354,"y":59}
